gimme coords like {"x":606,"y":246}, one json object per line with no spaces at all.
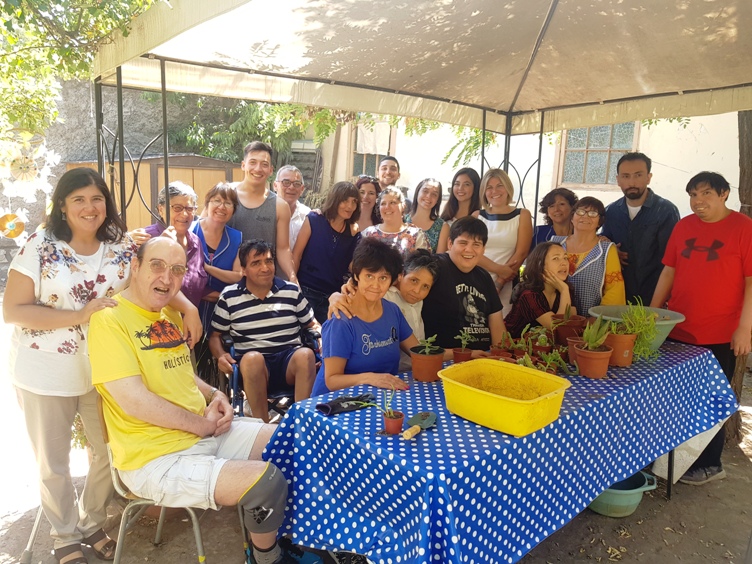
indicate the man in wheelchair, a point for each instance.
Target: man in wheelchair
{"x":263,"y":315}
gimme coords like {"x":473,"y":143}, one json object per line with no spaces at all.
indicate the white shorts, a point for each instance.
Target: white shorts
{"x":188,"y":478}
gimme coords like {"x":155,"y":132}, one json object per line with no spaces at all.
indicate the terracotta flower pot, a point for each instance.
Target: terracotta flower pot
{"x":564,"y":353}
{"x":393,"y":425}
{"x":571,"y":342}
{"x":572,"y":328}
{"x":426,"y":366}
{"x":593,"y":364}
{"x":542,"y":348}
{"x":623,"y":349}
{"x":461,"y":355}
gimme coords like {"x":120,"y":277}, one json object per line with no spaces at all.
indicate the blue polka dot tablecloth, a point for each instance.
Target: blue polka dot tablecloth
{"x":460,"y":492}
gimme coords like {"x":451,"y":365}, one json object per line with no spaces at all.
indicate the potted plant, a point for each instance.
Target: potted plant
{"x":540,"y":340}
{"x":427,"y":360}
{"x":622,"y":342}
{"x":571,"y":350}
{"x":504,"y":347}
{"x":555,"y":361}
{"x":639,"y":320}
{"x":465,"y":338}
{"x":592,"y":354}
{"x":392,"y":419}
{"x":566,"y":325}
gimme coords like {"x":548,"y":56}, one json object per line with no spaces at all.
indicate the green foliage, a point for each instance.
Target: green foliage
{"x":595,"y":333}
{"x":465,"y":338}
{"x":640,"y":320}
{"x":428,"y":345}
{"x":682,"y":122}
{"x":414,"y":126}
{"x":42,"y":41}
{"x":468,"y":145}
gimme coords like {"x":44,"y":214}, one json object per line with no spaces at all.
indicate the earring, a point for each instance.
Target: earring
{"x":63,"y":217}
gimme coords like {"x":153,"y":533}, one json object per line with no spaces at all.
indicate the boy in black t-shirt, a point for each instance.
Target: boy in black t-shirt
{"x":464,"y":295}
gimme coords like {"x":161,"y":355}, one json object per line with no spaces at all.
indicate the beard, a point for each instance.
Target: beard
{"x":634,"y":193}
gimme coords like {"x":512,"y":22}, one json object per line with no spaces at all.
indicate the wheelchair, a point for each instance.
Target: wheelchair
{"x":279,"y":402}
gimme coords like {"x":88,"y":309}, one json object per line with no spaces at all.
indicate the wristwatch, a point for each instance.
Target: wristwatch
{"x":211,"y":395}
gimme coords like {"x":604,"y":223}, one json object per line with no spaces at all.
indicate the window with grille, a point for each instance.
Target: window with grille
{"x":370,"y":146}
{"x":591,"y":153}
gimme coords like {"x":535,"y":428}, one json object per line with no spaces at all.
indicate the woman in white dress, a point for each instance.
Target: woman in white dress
{"x":510,"y":231}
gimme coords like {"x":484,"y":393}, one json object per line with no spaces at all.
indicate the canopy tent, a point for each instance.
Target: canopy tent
{"x":502,"y":65}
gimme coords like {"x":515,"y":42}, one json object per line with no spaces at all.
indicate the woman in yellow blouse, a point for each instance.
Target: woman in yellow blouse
{"x":594,"y":268}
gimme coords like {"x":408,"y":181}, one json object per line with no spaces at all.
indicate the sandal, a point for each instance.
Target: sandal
{"x":61,"y":553}
{"x":107,"y":550}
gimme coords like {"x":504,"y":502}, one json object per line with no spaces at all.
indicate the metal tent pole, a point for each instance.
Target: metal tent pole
{"x":537,"y":175}
{"x":98,"y":121}
{"x":121,"y":144}
{"x":483,"y":146}
{"x":165,"y":144}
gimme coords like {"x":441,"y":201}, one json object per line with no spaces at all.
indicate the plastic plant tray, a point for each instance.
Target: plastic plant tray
{"x":665,"y":322}
{"x":515,"y":400}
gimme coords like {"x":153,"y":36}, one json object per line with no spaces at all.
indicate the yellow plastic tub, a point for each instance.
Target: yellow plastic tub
{"x":512,"y":399}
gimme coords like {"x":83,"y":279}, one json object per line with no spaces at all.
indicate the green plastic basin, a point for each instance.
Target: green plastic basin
{"x":663,"y":325}
{"x":622,"y":498}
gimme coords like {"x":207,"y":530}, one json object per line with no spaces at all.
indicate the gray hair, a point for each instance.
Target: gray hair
{"x":177,"y":188}
{"x":393,"y":191}
{"x":289,"y":168}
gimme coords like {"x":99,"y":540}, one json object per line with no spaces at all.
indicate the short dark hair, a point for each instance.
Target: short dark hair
{"x":594,"y":203}
{"x":635,"y":156}
{"x":712,"y":179}
{"x":225,"y":191}
{"x":340,"y":192}
{"x":435,"y":210}
{"x":452,"y":206}
{"x":422,"y":258}
{"x":372,"y":254}
{"x":256,"y":246}
{"x":550,"y":199}
{"x":257,"y":146}
{"x":113,"y":228}
{"x":472,"y":226}
{"x":390,"y":158}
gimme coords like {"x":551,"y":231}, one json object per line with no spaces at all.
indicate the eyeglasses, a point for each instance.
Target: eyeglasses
{"x":367,"y":177}
{"x":158,"y":266}
{"x":177,"y":208}
{"x":589,"y":213}
{"x":287,"y":183}
{"x":218,"y":203}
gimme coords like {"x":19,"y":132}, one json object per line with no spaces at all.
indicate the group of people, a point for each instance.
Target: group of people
{"x":116,"y":314}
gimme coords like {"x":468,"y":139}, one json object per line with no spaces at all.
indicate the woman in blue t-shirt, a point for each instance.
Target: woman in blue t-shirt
{"x":366,"y":348}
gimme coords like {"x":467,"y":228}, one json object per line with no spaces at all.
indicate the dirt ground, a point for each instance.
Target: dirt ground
{"x":706,"y":524}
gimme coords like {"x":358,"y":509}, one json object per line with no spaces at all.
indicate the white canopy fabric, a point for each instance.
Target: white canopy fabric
{"x":581,"y":62}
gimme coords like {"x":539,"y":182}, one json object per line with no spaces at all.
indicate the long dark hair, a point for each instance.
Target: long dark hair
{"x":435,"y":210}
{"x":112,"y":229}
{"x":533,"y":278}
{"x":375,"y":215}
{"x":452,"y":205}
{"x":340,"y":192}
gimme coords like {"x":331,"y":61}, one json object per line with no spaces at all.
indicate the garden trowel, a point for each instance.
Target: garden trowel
{"x":418,"y":422}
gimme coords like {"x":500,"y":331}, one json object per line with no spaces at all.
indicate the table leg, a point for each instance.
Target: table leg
{"x":670,"y":473}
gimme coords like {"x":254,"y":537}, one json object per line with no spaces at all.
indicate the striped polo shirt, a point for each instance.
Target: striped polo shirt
{"x":268,"y":326}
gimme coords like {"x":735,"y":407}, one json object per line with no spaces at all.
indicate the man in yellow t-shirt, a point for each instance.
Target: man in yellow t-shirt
{"x":173,"y":436}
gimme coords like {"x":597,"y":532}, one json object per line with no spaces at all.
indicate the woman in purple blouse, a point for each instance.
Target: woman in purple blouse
{"x":182,"y":208}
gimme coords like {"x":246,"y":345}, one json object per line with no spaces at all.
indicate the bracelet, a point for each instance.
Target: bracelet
{"x":211,"y":395}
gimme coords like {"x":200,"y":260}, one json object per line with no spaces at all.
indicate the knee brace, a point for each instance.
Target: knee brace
{"x":264,"y":502}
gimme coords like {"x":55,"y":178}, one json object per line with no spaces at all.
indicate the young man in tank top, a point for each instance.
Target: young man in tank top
{"x":261,"y":214}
